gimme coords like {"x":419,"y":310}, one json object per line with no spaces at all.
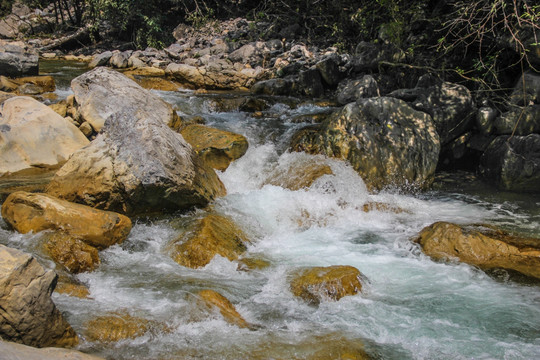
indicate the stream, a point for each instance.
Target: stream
{"x":410,"y":306}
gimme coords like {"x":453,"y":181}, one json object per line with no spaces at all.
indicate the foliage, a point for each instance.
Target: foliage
{"x":5,"y":7}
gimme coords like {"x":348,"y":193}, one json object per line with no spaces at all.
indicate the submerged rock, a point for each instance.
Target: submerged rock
{"x":214,"y":300}
{"x":27,"y":212}
{"x":33,"y":135}
{"x":214,"y":235}
{"x":326,"y":283}
{"x":137,"y":164}
{"x":217,"y":148}
{"x":513,"y":163}
{"x":300,"y":173}
{"x":386,"y":141}
{"x":74,"y":254}
{"x":115,"y":327}
{"x":27,"y":313}
{"x":485,"y":247}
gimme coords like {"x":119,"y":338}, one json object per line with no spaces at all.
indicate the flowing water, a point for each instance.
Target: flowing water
{"x":410,"y":308}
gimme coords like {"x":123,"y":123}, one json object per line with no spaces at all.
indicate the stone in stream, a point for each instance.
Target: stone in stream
{"x":385,"y":140}
{"x":117,"y":326}
{"x":482,"y":246}
{"x":213,"y":235}
{"x":70,"y":252}
{"x":136,"y":164}
{"x":34,"y":136}
{"x":214,"y":300}
{"x":27,"y":212}
{"x":299,"y":172}
{"x":217,"y":148}
{"x":318,"y":284}
{"x":27,"y":313}
{"x":513,"y":163}
{"x":13,"y":351}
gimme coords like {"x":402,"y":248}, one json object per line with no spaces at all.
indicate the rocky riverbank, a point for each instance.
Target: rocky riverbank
{"x":118,"y":152}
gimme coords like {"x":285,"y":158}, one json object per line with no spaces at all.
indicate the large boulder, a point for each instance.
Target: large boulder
{"x":213,"y":235}
{"x":330,"y":283}
{"x":16,"y":59}
{"x":137,"y":164}
{"x":13,"y":351}
{"x":351,"y":90}
{"x":27,"y":313}
{"x":513,"y":163}
{"x":485,"y":247}
{"x":102,"y":93}
{"x":386,"y":141}
{"x":450,"y":105}
{"x":518,"y":121}
{"x":34,"y":136}
{"x":27,"y":212}
{"x":217,"y":148}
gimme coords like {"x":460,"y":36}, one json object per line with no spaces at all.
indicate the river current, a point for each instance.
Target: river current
{"x":410,"y":307}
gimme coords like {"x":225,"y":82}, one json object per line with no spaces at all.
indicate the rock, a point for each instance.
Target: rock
{"x":13,"y":351}
{"x":248,"y":264}
{"x":16,"y":59}
{"x":119,"y":60}
{"x":27,"y":313}
{"x":329,"y":70}
{"x":71,"y":287}
{"x":310,"y":83}
{"x":485,"y":119}
{"x":146,"y":71}
{"x":527,"y":90}
{"x":330,"y":283}
{"x":45,"y":83}
{"x":27,"y":212}
{"x":485,"y":247}
{"x":368,"y":56}
{"x":273,"y":87}
{"x":213,"y":235}
{"x":518,"y":121}
{"x":156,"y":83}
{"x":7,"y":84}
{"x":100,"y":59}
{"x":217,"y":148}
{"x":386,"y":141}
{"x":300,"y":173}
{"x":71,"y":252}
{"x":86,"y":129}
{"x":4,"y":96}
{"x":102,"y":92}
{"x":513,"y":163}
{"x":33,"y":135}
{"x":214,"y":300}
{"x":383,"y":207}
{"x":115,"y":327}
{"x":352,"y":90}
{"x":60,"y":108}
{"x":450,"y":105}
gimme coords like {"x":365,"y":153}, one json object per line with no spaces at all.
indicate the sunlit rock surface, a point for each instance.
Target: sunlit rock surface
{"x":13,"y":351}
{"x":214,"y":300}
{"x":484,"y":247}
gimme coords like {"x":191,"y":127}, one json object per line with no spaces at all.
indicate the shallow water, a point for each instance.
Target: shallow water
{"x":410,"y":306}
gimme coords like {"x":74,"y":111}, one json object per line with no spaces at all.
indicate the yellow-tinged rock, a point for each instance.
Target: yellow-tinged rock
{"x":156,"y":83}
{"x":45,"y":83}
{"x":214,"y":235}
{"x":71,"y":252}
{"x":213,"y":300}
{"x":60,"y":108}
{"x":27,"y":212}
{"x":326,"y":283}
{"x":300,"y":176}
{"x":217,"y":148}
{"x":482,"y":246}
{"x":246,"y":264}
{"x":115,"y":327}
{"x":383,"y":207}
{"x":70,"y":287}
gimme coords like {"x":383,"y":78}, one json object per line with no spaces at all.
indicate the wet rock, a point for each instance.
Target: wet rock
{"x":518,"y":121}
{"x":102,"y":93}
{"x":7,"y":84}
{"x":310,"y":83}
{"x":137,"y":164}
{"x":115,"y":327}
{"x":299,"y":174}
{"x":217,"y":148}
{"x":71,"y":287}
{"x":155,"y":83}
{"x":326,"y":283}
{"x":273,"y":87}
{"x":27,"y":313}
{"x":214,"y":300}
{"x":382,"y":207}
{"x":386,"y":141}
{"x":44,"y":83}
{"x":450,"y":105}
{"x":14,"y":351}
{"x":352,"y":90}
{"x":329,"y":70}
{"x":27,"y":212}
{"x":100,"y":59}
{"x":252,"y":263}
{"x":485,"y":247}
{"x":213,"y":235}
{"x":17,"y":59}
{"x":513,"y":163}
{"x":75,"y":255}
{"x":33,"y":135}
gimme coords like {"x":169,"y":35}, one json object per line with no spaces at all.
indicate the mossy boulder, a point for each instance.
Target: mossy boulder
{"x":485,"y":247}
{"x":330,"y":283}
{"x":213,"y":235}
